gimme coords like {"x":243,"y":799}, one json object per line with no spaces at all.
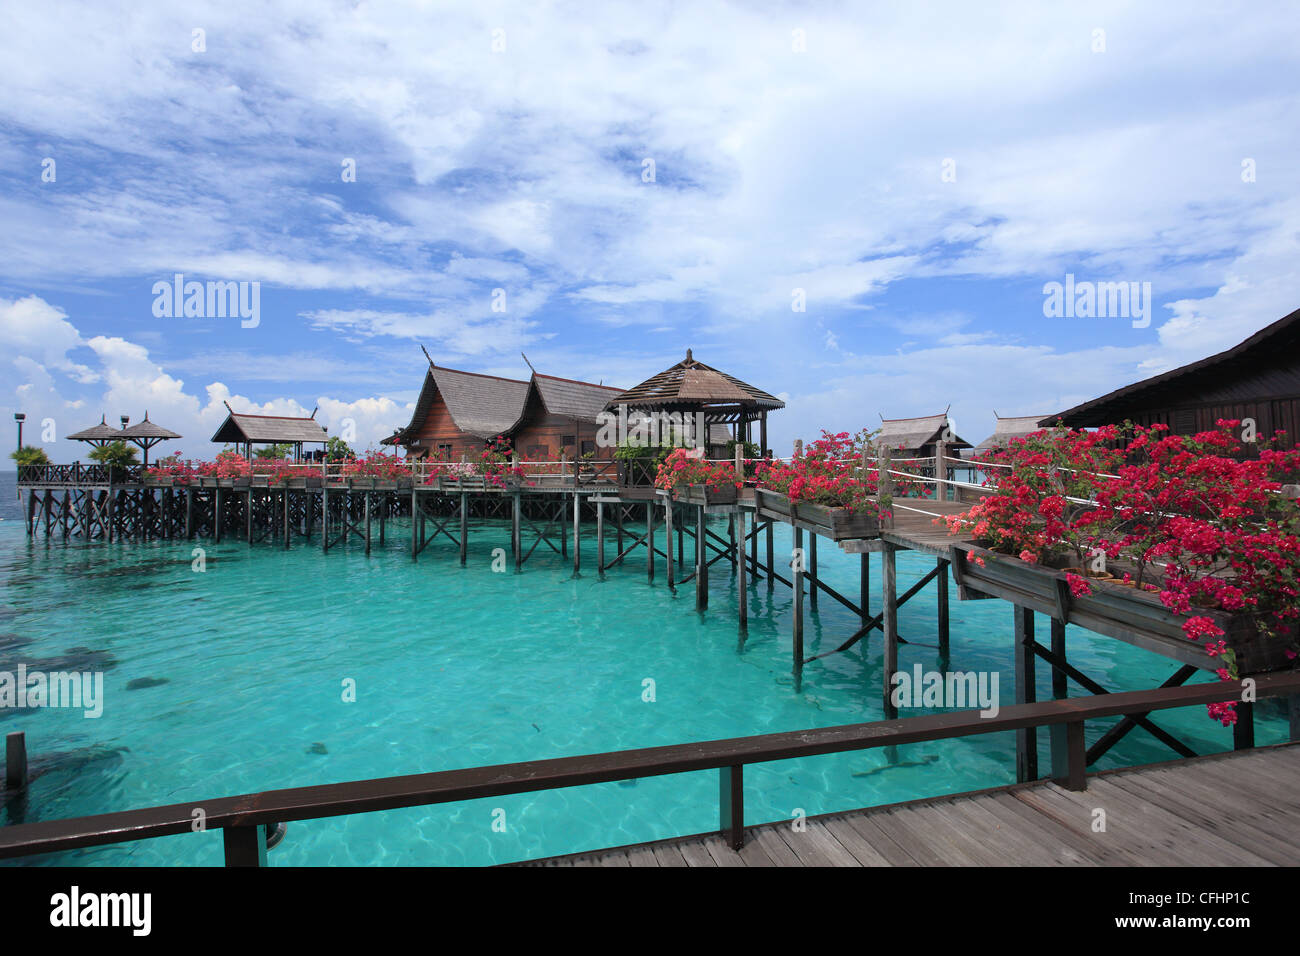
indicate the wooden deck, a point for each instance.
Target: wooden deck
{"x":1225,"y":809}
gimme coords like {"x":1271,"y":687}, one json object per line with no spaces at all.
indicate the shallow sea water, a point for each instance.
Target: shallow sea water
{"x":463,"y":666}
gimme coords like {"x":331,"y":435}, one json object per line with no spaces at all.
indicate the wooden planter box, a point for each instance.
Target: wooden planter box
{"x":368,"y":483}
{"x":1124,"y":613}
{"x":838,"y":524}
{"x":704,"y":495}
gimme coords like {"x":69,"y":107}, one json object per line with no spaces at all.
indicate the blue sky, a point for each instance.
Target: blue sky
{"x":795,"y":146}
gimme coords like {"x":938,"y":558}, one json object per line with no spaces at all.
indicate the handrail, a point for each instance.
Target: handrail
{"x":246,"y":817}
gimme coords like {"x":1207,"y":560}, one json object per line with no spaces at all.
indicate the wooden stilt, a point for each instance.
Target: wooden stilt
{"x":464,"y":528}
{"x":600,"y":537}
{"x":248,"y":515}
{"x":325,"y":521}
{"x":1243,"y":731}
{"x":864,"y":586}
{"x":1060,"y":680}
{"x":577,"y":542}
{"x":216,"y":514}
{"x":771,"y":558}
{"x":889,"y":600}
{"x":668,"y":540}
{"x":799,"y":559}
{"x":16,"y":761}
{"x":618,"y":521}
{"x":650,"y":541}
{"x":1026,"y":737}
{"x":288,"y":518}
{"x":742,"y":585}
{"x":812,"y":569}
{"x":516,"y":543}
{"x":367,"y":503}
{"x":701,"y":563}
{"x":941,"y":598}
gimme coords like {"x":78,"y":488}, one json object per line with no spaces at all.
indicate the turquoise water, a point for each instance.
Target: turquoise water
{"x":463,"y":666}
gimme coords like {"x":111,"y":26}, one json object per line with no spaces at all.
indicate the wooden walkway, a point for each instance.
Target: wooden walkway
{"x":1226,"y":809}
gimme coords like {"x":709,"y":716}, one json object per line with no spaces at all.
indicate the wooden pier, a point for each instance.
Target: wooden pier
{"x":547,"y":510}
{"x":1222,"y":810}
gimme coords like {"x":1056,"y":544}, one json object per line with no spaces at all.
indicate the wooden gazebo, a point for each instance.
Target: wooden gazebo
{"x":250,"y":430}
{"x":690,"y":387}
{"x":146,"y":434}
{"x":98,"y":435}
{"x":1006,"y":429}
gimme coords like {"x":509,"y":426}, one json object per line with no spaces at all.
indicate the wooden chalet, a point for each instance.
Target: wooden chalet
{"x":248,"y":430}
{"x":916,"y":437}
{"x":690,"y":387}
{"x":1005,"y":430}
{"x":544,"y":416}
{"x":1258,"y":379}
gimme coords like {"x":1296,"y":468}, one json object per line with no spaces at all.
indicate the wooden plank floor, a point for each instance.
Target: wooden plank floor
{"x":1225,"y":809}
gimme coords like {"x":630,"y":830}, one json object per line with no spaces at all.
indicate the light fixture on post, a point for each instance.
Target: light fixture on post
{"x":19,"y":417}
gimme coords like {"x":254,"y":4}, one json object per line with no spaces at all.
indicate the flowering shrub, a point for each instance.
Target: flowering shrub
{"x":681,"y":469}
{"x":828,"y":473}
{"x":1193,"y":512}
{"x":377,"y":464}
{"x":181,"y":472}
{"x":229,"y":464}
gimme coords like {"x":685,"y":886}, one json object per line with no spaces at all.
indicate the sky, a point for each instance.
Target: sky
{"x":856,"y":207}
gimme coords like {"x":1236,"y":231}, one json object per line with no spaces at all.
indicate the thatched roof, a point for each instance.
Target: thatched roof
{"x":269,"y":429}
{"x":1261,"y":367}
{"x":102,"y":432}
{"x":148,"y":430}
{"x":693,"y":383}
{"x":1006,"y":429}
{"x":913,"y":434}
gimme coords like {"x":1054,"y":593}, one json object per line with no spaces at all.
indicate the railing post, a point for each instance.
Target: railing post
{"x":16,"y":761}
{"x":731,"y":805}
{"x":940,"y":470}
{"x":245,"y":846}
{"x":1069,"y":756}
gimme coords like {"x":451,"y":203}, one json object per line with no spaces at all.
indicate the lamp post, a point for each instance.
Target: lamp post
{"x":19,"y":417}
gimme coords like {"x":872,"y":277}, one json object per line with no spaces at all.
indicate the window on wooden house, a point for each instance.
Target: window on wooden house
{"x":568,"y":441}
{"x":444,"y":452}
{"x":589,"y":447}
{"x":538,"y":453}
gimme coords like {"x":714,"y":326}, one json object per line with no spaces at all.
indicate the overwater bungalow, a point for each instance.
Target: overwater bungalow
{"x":1257,"y":379}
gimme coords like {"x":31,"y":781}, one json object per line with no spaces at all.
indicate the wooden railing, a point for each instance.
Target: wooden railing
{"x":246,"y":819}
{"x":79,"y":474}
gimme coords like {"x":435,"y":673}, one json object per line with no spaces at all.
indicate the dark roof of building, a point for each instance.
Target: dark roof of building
{"x":563,"y":396}
{"x":483,"y":405}
{"x":693,"y":383}
{"x":276,"y":429}
{"x":1264,"y":365}
{"x":1006,"y":429}
{"x":101,"y":432}
{"x":147,"y":429}
{"x":912,"y":434}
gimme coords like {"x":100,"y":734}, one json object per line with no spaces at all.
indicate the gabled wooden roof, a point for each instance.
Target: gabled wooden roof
{"x":1266,"y":365}
{"x":483,"y":405}
{"x":693,"y":383}
{"x":912,"y":434}
{"x":1008,"y":428}
{"x":277,"y":429}
{"x":581,"y":400}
